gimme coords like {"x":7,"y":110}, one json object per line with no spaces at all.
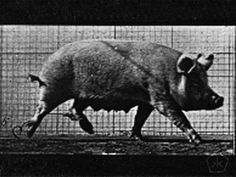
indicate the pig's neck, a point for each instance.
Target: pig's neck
{"x":182,"y":86}
{"x":182,"y":94}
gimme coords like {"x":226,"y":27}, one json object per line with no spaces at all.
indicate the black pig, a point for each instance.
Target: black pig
{"x":118,"y":75}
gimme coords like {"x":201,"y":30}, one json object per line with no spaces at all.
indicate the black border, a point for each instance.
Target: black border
{"x":114,"y":12}
{"x":118,"y":12}
{"x":97,"y":165}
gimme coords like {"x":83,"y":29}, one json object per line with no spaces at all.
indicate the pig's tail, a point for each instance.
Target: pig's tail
{"x":18,"y":129}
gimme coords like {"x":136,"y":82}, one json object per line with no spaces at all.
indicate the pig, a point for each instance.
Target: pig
{"x":119,"y":75}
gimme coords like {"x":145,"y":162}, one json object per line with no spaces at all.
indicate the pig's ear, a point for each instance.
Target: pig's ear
{"x":206,"y":61}
{"x":185,"y":65}
{"x":199,"y":56}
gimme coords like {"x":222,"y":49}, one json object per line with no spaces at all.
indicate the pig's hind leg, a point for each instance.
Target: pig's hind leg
{"x":71,"y":114}
{"x":143,"y":113}
{"x":41,"y":111}
{"x":48,"y":100}
{"x":75,"y":113}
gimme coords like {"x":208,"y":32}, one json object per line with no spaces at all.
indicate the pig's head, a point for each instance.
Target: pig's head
{"x":192,"y":89}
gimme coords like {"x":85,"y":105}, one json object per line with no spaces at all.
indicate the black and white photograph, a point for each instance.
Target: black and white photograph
{"x":117,"y":91}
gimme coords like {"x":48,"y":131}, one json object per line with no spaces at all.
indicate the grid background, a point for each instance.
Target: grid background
{"x":23,"y":49}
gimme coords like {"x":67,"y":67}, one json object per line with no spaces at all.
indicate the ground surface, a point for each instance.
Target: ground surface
{"x":112,"y":146}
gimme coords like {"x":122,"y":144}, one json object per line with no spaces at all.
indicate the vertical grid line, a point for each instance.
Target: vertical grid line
{"x":229,"y":68}
{"x":234,"y":96}
{"x":13,"y":80}
{"x":1,"y":66}
{"x":113,"y":122}
{"x":115,"y":32}
{"x":57,"y":117}
{"x":172,"y":37}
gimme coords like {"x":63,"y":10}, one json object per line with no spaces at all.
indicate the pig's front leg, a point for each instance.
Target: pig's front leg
{"x":173,"y":112}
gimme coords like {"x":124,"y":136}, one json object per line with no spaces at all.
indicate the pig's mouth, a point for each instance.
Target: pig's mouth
{"x":210,"y":104}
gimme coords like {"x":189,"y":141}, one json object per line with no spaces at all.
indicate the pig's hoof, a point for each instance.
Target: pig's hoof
{"x":137,"y":137}
{"x":30,"y":128}
{"x":195,"y":139}
{"x":30,"y":133}
{"x":86,"y":126}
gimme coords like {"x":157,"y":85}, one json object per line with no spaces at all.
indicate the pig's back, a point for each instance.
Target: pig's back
{"x":97,"y":67}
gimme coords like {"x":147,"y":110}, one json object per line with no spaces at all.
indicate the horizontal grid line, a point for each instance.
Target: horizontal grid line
{"x":25,"y":76}
{"x":34,"y":53}
{"x":25,"y":53}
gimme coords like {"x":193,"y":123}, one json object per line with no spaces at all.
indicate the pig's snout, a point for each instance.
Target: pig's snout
{"x":218,"y":101}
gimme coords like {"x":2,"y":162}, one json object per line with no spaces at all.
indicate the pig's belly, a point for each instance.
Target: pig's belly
{"x":116,"y":103}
